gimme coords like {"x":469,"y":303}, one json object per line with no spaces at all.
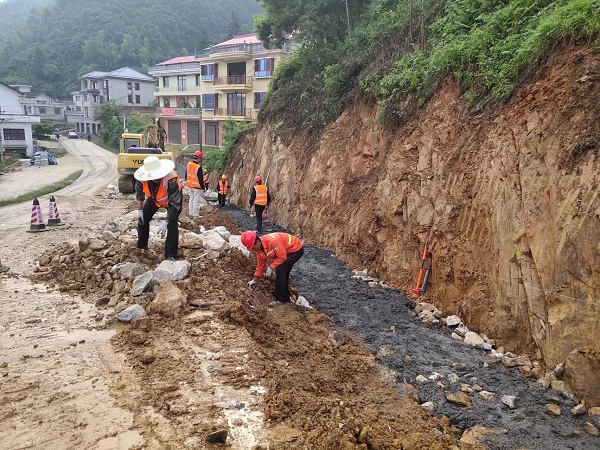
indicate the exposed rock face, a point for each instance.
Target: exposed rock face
{"x":508,"y":200}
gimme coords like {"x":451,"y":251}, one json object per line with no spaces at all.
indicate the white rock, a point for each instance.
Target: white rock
{"x":235,"y":242}
{"x":508,"y":400}
{"x":132,"y":312}
{"x":171,"y":270}
{"x":141,"y":283}
{"x":421,"y":379}
{"x":169,"y":300}
{"x":453,"y":321}
{"x":214,"y":241}
{"x":473,"y":339}
{"x":222,"y":231}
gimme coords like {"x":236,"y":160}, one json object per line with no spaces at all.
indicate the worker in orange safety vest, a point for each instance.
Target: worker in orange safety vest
{"x":206,"y":180}
{"x":159,"y":185}
{"x":222,"y":187}
{"x":195,"y":184}
{"x":260,"y":198}
{"x":284,"y":249}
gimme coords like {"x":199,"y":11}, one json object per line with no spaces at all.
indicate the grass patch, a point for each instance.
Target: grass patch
{"x":43,"y":191}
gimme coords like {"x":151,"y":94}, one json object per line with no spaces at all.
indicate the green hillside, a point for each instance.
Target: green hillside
{"x":13,"y":14}
{"x":58,"y":42}
{"x":401,"y":50}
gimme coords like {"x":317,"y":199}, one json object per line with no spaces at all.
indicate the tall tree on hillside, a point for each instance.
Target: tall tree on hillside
{"x":234,"y":26}
{"x":313,"y":22}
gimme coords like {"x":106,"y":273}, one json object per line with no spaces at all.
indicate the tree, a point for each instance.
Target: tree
{"x":313,"y":22}
{"x":234,"y":25}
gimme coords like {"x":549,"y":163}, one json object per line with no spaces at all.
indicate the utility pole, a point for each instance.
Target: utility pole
{"x":200,"y":133}
{"x":348,"y":17}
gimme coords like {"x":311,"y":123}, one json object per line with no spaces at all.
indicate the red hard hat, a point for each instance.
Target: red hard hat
{"x":248,"y":239}
{"x":198,"y":154}
{"x":257,"y":179}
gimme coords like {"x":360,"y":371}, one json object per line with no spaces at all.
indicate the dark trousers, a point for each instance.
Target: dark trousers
{"x":172,"y":241}
{"x":222,"y":199}
{"x":259,"y":209}
{"x":282,"y":276}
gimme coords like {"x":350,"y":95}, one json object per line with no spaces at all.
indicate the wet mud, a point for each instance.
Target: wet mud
{"x":382,"y":318}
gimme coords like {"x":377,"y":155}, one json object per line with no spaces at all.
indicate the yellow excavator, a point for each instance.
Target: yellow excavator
{"x":135,"y":147}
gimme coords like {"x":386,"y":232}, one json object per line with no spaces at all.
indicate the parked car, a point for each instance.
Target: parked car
{"x":52,"y":161}
{"x":73,"y":135}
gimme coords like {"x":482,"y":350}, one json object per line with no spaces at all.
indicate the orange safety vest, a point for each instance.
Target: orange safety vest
{"x":206,"y":178}
{"x":261,"y":195}
{"x":162,"y":196}
{"x":192,"y":175}
{"x":276,"y":246}
{"x":223,"y":187}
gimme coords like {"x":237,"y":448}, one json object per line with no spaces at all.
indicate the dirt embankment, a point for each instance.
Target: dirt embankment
{"x":508,"y":201}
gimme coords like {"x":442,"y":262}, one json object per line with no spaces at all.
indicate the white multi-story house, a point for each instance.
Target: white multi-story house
{"x":226,"y":81}
{"x":38,"y":104}
{"x":15,"y":124}
{"x":125,"y":86}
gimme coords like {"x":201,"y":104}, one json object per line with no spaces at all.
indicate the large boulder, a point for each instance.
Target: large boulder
{"x":169,"y":300}
{"x":171,"y":270}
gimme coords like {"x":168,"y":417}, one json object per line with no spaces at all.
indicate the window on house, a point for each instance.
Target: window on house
{"x":209,"y":101}
{"x":96,"y":98}
{"x":264,"y":67}
{"x":137,"y":86}
{"x":129,"y":85}
{"x":167,"y":102}
{"x":94,"y":85}
{"x":197,"y":80}
{"x":56,"y":110}
{"x":42,"y":110}
{"x":181,"y":83}
{"x":198,"y":101}
{"x":130,"y":98}
{"x":208,"y":72}
{"x":165,"y":81}
{"x":138,"y":99}
{"x":258,"y":99}
{"x":14,"y":134}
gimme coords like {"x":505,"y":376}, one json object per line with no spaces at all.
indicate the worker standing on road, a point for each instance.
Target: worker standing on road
{"x":260,"y":198}
{"x":284,"y":249}
{"x":157,"y":181}
{"x":206,"y":180}
{"x":195,"y":184}
{"x":222,"y":188}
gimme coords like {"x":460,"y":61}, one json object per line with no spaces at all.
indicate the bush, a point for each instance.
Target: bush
{"x":216,"y":159}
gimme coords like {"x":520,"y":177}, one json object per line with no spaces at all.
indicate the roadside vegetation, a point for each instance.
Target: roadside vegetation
{"x":113,"y":124}
{"x":43,"y":191}
{"x":401,"y":51}
{"x":216,"y":159}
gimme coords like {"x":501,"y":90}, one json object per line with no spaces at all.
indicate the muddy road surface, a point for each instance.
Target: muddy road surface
{"x":384,"y":319}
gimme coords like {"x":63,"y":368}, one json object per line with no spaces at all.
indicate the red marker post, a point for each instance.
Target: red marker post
{"x":417,"y":289}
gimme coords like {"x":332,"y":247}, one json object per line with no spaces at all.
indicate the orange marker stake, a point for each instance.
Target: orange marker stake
{"x":417,"y":289}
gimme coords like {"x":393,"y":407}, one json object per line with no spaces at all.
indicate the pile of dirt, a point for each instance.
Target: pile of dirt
{"x":310,"y":384}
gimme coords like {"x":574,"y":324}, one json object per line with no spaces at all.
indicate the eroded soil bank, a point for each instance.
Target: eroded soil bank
{"x":508,"y":201}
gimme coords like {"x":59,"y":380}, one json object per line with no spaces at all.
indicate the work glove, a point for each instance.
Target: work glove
{"x":140,"y":217}
{"x":162,"y":229}
{"x":252,"y":282}
{"x":269,"y":272}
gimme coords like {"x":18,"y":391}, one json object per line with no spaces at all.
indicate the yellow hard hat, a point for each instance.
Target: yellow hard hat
{"x":205,"y":171}
{"x":224,"y":176}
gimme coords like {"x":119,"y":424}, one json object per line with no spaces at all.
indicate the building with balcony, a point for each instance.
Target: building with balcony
{"x":15,"y":124}
{"x":38,"y":104}
{"x":225,"y":81}
{"x":125,"y":86}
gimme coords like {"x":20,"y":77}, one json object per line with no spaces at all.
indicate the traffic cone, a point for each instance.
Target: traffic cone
{"x":53,"y":215}
{"x":3,"y":268}
{"x":37,"y":220}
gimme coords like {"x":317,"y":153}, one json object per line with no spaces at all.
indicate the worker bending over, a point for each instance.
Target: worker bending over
{"x":284,"y":249}
{"x":159,"y":185}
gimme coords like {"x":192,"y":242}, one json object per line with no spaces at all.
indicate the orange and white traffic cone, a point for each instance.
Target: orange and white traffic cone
{"x":53,"y":215}
{"x":37,"y":220}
